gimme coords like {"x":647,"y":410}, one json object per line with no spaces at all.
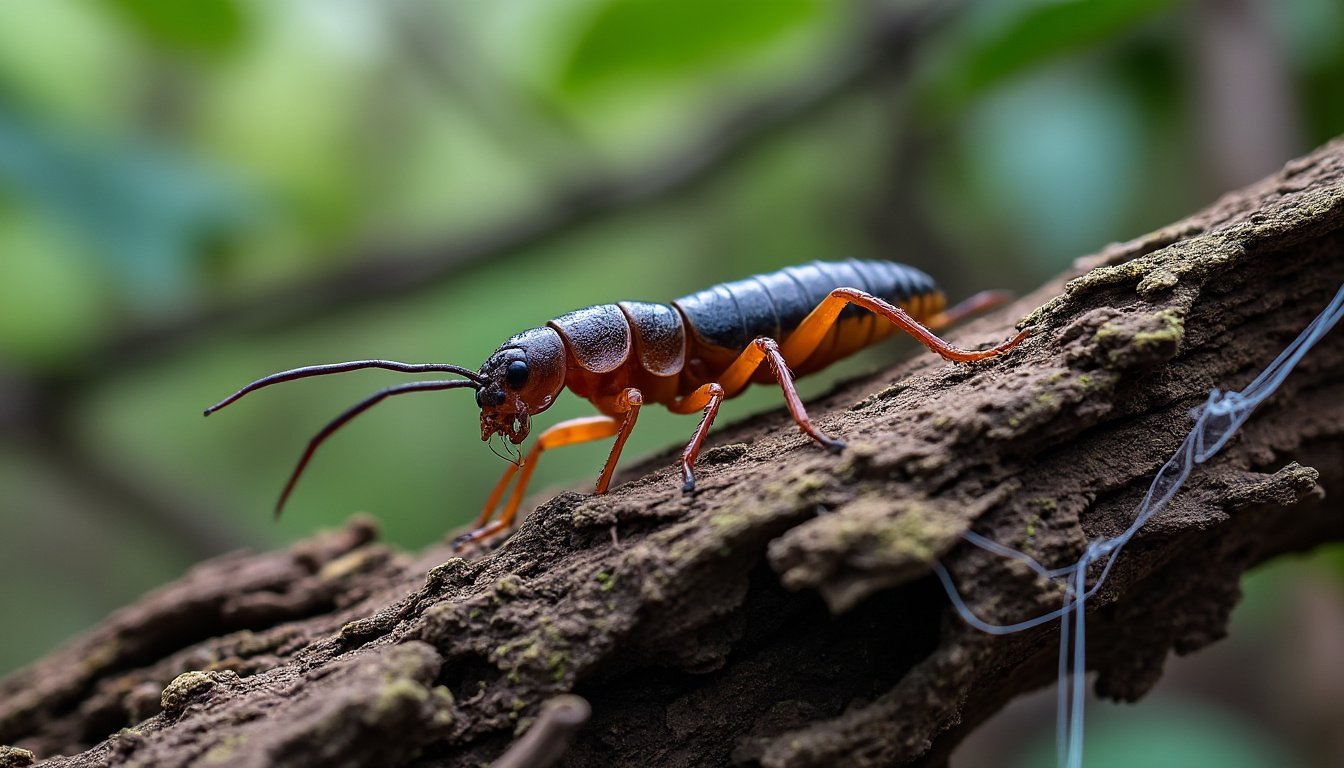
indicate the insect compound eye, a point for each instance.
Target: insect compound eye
{"x":516,"y":375}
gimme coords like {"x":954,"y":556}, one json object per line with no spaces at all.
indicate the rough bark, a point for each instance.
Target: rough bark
{"x":786,"y":614}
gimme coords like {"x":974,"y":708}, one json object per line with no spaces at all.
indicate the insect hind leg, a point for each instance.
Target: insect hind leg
{"x":805,"y":338}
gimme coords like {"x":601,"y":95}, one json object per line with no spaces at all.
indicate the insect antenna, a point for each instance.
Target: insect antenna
{"x":475,"y":379}
{"x":352,"y":412}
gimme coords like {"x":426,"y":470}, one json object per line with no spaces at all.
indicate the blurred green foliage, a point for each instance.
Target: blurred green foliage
{"x":160,"y":158}
{"x":1173,"y":735}
{"x":1008,"y":39}
{"x":149,"y":213}
{"x":202,"y":26}
{"x":647,"y":42}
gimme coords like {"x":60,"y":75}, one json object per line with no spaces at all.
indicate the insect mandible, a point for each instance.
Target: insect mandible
{"x":689,"y":355}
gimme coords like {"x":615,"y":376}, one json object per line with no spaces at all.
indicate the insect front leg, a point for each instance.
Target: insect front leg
{"x":570,"y":432}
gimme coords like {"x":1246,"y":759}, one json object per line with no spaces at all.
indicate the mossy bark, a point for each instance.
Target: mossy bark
{"x":786,"y":614}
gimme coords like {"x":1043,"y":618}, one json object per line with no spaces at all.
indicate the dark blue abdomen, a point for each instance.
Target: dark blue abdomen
{"x":731,"y":315}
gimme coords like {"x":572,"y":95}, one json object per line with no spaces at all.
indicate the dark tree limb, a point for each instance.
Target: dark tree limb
{"x":786,"y":614}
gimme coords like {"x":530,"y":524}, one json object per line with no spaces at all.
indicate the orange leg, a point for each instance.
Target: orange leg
{"x":628,"y":403}
{"x":734,"y":379}
{"x":714,"y":393}
{"x":804,"y":340}
{"x":570,"y":432}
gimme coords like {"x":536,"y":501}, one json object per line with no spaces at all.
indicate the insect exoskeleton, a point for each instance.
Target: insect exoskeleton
{"x":689,"y":355}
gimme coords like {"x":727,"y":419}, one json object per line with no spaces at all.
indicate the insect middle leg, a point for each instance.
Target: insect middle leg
{"x":730,"y":383}
{"x":570,"y":432}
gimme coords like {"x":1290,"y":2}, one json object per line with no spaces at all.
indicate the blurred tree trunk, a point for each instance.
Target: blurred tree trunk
{"x":786,"y":614}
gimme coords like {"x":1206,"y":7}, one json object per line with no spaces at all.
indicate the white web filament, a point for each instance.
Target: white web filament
{"x":1215,"y":423}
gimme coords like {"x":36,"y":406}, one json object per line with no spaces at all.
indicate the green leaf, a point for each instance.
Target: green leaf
{"x":630,"y":39}
{"x":1028,"y":33}
{"x":191,"y":26}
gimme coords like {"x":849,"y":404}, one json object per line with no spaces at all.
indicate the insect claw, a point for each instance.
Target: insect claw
{"x":484,"y":538}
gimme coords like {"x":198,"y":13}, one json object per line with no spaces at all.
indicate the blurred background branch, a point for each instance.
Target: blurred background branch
{"x":389,"y":272}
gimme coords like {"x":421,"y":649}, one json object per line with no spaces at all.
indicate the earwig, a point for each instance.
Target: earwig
{"x":689,"y":355}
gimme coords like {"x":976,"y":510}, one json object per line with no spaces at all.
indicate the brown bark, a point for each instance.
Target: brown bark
{"x":786,"y":614}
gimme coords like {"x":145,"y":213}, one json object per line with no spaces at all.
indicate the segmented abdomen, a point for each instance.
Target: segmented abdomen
{"x":725,"y":318}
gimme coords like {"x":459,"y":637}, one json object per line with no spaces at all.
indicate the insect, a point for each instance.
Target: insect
{"x":689,"y":355}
